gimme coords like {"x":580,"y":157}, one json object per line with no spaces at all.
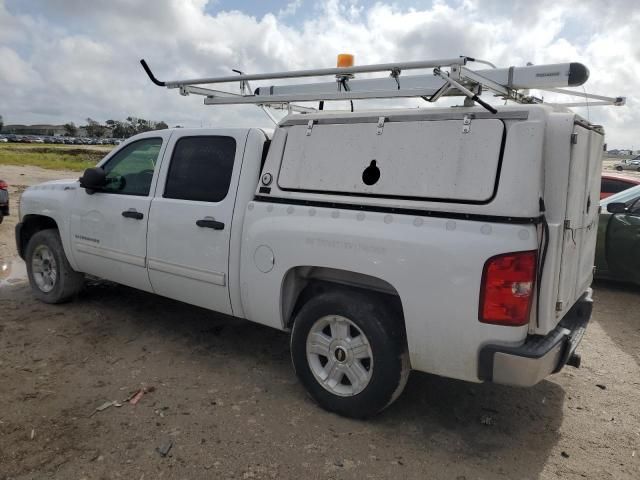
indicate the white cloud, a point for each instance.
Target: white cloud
{"x":290,"y":9}
{"x":68,"y":60}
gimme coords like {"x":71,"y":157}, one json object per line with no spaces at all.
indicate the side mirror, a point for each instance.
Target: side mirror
{"x":93,"y":179}
{"x":617,"y":207}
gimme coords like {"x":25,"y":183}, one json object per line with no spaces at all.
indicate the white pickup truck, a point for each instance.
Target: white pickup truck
{"x":452,"y":241}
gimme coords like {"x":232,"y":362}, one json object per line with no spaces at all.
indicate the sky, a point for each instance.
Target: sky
{"x":66,"y":60}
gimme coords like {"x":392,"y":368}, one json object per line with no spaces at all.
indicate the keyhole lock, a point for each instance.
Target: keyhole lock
{"x":371,"y":174}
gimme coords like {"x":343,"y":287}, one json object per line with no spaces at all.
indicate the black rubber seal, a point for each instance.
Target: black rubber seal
{"x":401,"y":211}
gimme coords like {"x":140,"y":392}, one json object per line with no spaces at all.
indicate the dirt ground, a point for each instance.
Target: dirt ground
{"x":225,"y":396}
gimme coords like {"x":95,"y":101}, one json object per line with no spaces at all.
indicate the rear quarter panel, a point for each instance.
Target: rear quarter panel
{"x":435,"y":265}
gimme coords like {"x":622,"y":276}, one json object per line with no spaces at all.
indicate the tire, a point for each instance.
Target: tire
{"x":1,"y":217}
{"x":638,"y":169}
{"x":378,"y":362}
{"x":51,"y":277}
{"x":619,"y":169}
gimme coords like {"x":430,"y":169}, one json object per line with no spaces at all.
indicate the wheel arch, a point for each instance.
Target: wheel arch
{"x":32,"y":224}
{"x":301,"y":283}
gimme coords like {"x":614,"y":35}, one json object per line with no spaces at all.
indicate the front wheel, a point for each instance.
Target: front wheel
{"x":51,"y":277}
{"x":349,"y":351}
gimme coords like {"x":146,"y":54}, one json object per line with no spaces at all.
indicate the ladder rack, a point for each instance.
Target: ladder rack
{"x":450,"y":77}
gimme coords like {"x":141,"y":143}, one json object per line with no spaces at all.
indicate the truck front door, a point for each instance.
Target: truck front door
{"x":190,"y":219}
{"x":109,"y":228}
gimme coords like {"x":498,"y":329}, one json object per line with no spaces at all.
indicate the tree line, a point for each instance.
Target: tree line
{"x":119,"y":129}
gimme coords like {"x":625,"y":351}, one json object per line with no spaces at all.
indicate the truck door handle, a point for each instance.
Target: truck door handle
{"x":210,"y":223}
{"x":132,"y":214}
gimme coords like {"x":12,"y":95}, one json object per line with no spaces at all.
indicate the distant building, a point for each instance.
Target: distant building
{"x":50,"y":130}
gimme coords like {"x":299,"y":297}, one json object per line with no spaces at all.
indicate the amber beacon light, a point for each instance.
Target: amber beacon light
{"x":345,"y":60}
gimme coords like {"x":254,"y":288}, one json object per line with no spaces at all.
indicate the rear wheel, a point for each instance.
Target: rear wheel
{"x":51,"y":277}
{"x":619,"y":168}
{"x":349,"y":351}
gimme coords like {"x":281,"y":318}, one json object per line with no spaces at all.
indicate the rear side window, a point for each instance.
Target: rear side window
{"x":614,"y":186}
{"x":201,"y":169}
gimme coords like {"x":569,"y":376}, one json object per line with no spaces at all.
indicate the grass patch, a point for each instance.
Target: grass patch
{"x":62,"y":157}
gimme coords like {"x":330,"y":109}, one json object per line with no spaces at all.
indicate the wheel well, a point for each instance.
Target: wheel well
{"x":302,"y":283}
{"x":31,"y":225}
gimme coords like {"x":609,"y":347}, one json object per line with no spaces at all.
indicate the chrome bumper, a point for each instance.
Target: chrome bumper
{"x":540,"y":355}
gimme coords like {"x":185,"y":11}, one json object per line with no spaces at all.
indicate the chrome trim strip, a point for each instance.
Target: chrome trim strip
{"x":201,"y":275}
{"x":111,"y":254}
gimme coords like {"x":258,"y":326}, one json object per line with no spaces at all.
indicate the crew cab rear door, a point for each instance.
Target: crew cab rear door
{"x":190,"y":217}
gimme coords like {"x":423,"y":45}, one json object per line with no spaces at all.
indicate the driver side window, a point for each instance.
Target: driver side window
{"x":130,"y":171}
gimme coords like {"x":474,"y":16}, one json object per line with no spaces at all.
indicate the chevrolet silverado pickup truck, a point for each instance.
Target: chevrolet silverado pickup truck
{"x":455,"y":241}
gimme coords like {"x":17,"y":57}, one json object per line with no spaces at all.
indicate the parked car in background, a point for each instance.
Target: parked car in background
{"x":613,"y":183}
{"x":3,"y":140}
{"x":629,"y":164}
{"x":618,"y":247}
{"x":4,"y":199}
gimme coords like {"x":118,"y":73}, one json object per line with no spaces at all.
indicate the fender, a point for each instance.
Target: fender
{"x":48,"y":200}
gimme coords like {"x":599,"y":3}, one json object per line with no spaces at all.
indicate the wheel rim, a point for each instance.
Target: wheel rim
{"x":44,"y":268}
{"x":339,"y":355}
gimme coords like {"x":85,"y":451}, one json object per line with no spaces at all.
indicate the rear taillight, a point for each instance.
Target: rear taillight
{"x":3,"y":185}
{"x":507,"y":290}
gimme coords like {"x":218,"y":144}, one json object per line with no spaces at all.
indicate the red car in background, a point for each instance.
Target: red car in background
{"x":612,"y":183}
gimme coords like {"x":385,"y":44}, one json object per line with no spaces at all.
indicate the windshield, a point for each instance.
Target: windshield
{"x":625,"y":196}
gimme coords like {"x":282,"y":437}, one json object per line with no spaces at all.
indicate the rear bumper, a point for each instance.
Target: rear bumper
{"x":540,"y":355}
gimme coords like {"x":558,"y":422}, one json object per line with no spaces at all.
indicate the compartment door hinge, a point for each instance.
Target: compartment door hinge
{"x":574,"y":139}
{"x":381,"y":121}
{"x":466,"y":124}
{"x":309,"y":127}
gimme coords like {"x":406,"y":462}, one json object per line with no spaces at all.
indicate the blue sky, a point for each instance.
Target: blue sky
{"x":64,"y":60}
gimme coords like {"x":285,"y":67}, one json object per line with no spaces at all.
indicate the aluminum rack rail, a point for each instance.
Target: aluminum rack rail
{"x":450,"y":77}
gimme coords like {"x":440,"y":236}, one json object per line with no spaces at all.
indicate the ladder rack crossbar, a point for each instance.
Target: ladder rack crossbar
{"x":319,"y":72}
{"x":511,"y":83}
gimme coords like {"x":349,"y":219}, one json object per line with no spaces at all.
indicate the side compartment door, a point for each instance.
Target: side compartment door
{"x":581,"y":216}
{"x":190,"y":219}
{"x":108,"y":228}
